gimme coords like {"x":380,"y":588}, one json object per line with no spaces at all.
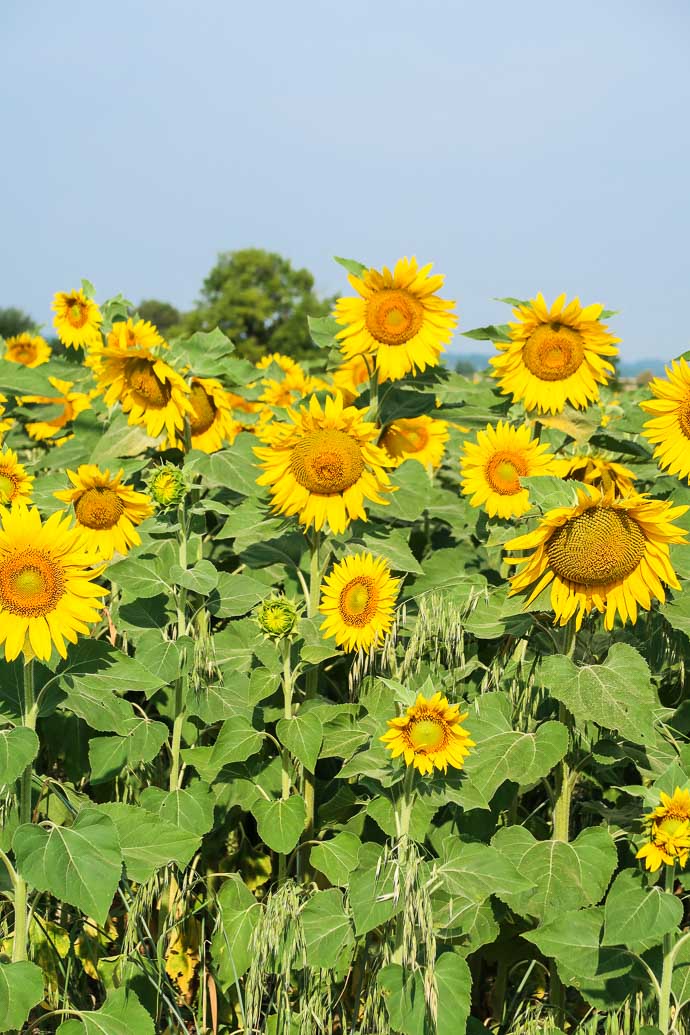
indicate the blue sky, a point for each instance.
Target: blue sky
{"x":521,"y":147}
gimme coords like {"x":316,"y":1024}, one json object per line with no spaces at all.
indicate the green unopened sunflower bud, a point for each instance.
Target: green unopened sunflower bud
{"x":277,"y":617}
{"x":167,"y":486}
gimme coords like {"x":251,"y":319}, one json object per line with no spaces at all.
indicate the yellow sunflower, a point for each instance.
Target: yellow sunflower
{"x":77,"y":319}
{"x":398,"y":318}
{"x":595,"y":470}
{"x":47,"y":589}
{"x":416,"y":438}
{"x":324,"y":465}
{"x":607,"y":553}
{"x":668,"y":826}
{"x":7,"y":422}
{"x":106,"y":511}
{"x":286,"y":363}
{"x":211,"y":422}
{"x":291,"y":389}
{"x":555,"y":355}
{"x":29,"y":349}
{"x":349,"y":377}
{"x":493,"y":466}
{"x":15,"y":484}
{"x":357,"y":601}
{"x":669,"y":428}
{"x":150,"y":392}
{"x":430,"y":735}
{"x":70,"y":404}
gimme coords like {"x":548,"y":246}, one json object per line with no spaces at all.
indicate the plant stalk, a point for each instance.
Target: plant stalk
{"x":286,"y":782}
{"x":667,"y":968}
{"x":20,"y":943}
{"x":180,"y":682}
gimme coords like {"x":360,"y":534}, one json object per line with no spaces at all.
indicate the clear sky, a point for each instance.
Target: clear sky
{"x":520,"y":146}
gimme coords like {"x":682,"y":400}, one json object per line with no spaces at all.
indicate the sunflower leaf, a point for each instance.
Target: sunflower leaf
{"x":21,"y":988}
{"x":327,"y":928}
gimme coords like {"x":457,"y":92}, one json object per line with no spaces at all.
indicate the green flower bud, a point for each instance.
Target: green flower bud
{"x":167,"y":486}
{"x":277,"y":617}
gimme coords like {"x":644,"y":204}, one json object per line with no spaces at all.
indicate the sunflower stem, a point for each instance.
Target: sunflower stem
{"x":180,"y":682}
{"x":403,"y":814}
{"x":285,"y":761}
{"x":374,"y":395}
{"x":667,"y":968}
{"x":21,"y":895}
{"x":309,"y":783}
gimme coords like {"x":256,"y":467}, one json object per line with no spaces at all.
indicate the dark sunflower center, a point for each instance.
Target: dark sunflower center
{"x":394,"y":316}
{"x":23,"y":353}
{"x":8,"y":486}
{"x":405,"y":437}
{"x":427,"y":733}
{"x":99,"y":508}
{"x":358,"y":601}
{"x":148,"y":390}
{"x":31,"y":583}
{"x":77,"y":312}
{"x":503,"y":472}
{"x":204,"y":410}
{"x":597,"y":547}
{"x":553,"y":352}
{"x":327,"y":462}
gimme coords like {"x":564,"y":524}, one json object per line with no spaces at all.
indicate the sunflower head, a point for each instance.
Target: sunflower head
{"x":555,"y":355}
{"x":31,"y":350}
{"x":668,"y":829}
{"x":211,"y":422}
{"x":607,"y":553}
{"x":430,"y":735}
{"x":416,"y":438}
{"x":15,"y":484}
{"x":105,"y":509}
{"x":277,"y":617}
{"x":595,"y":470}
{"x":669,"y":428}
{"x":350,"y":376}
{"x":77,"y":319}
{"x":398,"y":318}
{"x":167,"y":486}
{"x":358,"y":601}
{"x":68,"y":405}
{"x":493,"y":466}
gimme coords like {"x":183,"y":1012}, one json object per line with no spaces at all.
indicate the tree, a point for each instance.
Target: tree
{"x":260,"y":301}
{"x":162,"y":314}
{"x":14,"y":321}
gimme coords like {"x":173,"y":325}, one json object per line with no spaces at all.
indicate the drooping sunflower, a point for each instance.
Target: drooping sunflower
{"x":150,"y":392}
{"x":430,"y":735}
{"x":5,"y":422}
{"x":555,"y":355}
{"x":15,"y":484}
{"x":669,"y":428}
{"x":105,"y":509}
{"x":77,"y":319}
{"x":668,"y":827}
{"x":350,"y":375}
{"x":324,"y":464}
{"x":605,"y":552}
{"x":29,"y":349}
{"x":595,"y":470}
{"x":493,"y":466}
{"x":398,"y":318}
{"x":211,"y":422}
{"x":416,"y":438}
{"x":358,"y":600}
{"x":70,"y":404}
{"x":47,"y":589}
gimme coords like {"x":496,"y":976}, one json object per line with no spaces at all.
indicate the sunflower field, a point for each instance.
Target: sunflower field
{"x":346,"y":697}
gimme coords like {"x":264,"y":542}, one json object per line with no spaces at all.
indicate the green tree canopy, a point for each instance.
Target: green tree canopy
{"x":14,"y":321}
{"x":260,"y":301}
{"x":162,"y":314}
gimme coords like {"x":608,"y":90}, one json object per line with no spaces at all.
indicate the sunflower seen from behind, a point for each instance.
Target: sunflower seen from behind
{"x":668,"y":829}
{"x":31,"y":350}
{"x":606,"y":553}
{"x":211,"y":422}
{"x":430,"y":735}
{"x":416,"y":438}
{"x":77,"y":319}
{"x":358,"y":601}
{"x":492,"y":467}
{"x":15,"y":484}
{"x":105,"y":509}
{"x":48,"y":592}
{"x":669,"y":428}
{"x":592,"y":469}
{"x":556,"y":355}
{"x":68,"y":405}
{"x":324,"y":465}
{"x":397,"y":318}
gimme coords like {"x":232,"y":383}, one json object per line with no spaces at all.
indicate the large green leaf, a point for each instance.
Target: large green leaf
{"x":144,"y":574}
{"x":302,"y":735}
{"x":234,"y":595}
{"x":403,"y":993}
{"x":337,"y":858}
{"x":21,"y":988}
{"x":572,"y":935}
{"x":617,"y":695}
{"x":236,"y":742}
{"x":141,"y":743}
{"x":454,"y":986}
{"x":234,"y":468}
{"x":373,"y":896}
{"x":147,"y":842}
{"x":239,"y":914}
{"x":190,"y":809}
{"x":476,"y":871}
{"x":636,"y":916}
{"x":121,"y":1014}
{"x":327,"y":928}
{"x":18,"y":747}
{"x":81,"y":864}
{"x":280,"y":823}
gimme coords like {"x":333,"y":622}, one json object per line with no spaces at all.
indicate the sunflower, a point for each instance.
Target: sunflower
{"x":669,"y":428}
{"x":350,"y":375}
{"x":668,"y":827}
{"x":595,"y":470}
{"x":416,"y":438}
{"x":291,"y":389}
{"x":7,"y":422}
{"x":211,"y":422}
{"x":430,"y":735}
{"x":150,"y":392}
{"x":77,"y":319}
{"x":47,"y":589}
{"x":398,"y":318}
{"x":604,"y":552}
{"x":493,"y":466}
{"x":105,"y":510}
{"x":29,"y":349}
{"x":357,"y":601}
{"x":286,"y":363}
{"x":555,"y":355}
{"x":71,"y":404}
{"x":15,"y":484}
{"x":324,"y":465}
